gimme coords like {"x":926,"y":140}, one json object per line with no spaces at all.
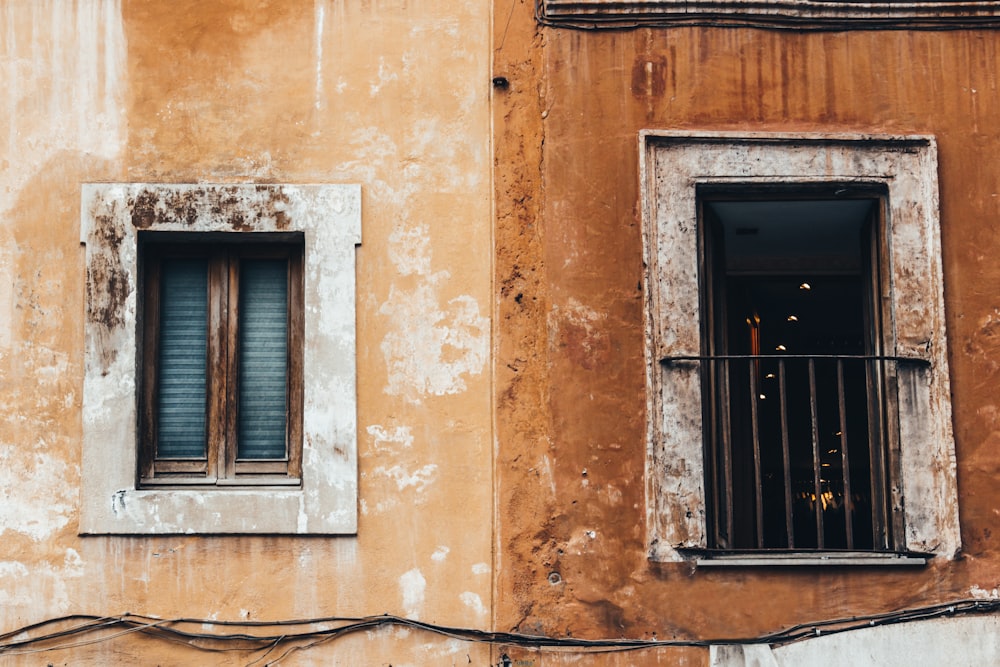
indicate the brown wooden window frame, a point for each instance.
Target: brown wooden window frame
{"x":220,"y":466}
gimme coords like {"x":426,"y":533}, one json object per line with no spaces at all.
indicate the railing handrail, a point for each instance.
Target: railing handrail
{"x":757,"y":433}
{"x":862,"y":357}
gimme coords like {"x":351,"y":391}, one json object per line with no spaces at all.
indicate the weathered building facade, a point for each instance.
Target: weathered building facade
{"x":114,"y":110}
{"x":501,"y":360}
{"x":624,"y":129}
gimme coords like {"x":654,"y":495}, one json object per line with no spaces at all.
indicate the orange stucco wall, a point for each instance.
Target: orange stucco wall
{"x":501,"y":393}
{"x":389,"y":95}
{"x":571,"y":422}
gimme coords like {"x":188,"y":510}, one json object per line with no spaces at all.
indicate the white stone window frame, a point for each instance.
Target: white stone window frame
{"x":673,"y":165}
{"x":788,"y":14}
{"x":329,"y":218}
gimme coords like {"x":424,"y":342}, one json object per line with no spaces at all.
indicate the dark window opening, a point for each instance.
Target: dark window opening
{"x":796,"y":416}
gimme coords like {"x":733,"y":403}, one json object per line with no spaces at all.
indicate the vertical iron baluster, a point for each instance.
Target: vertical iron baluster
{"x":710,"y":376}
{"x":786,"y":458}
{"x":879,"y":541}
{"x":727,"y":448}
{"x":848,"y":504}
{"x":755,"y":436}
{"x":817,"y":487}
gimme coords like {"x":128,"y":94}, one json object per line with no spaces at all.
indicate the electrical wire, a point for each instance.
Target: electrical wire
{"x":67,"y":632}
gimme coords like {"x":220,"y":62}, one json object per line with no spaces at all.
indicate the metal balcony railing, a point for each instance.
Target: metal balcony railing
{"x":799,"y":450}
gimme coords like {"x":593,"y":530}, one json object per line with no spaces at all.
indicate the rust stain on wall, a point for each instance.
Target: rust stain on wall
{"x":226,"y":205}
{"x":107,"y":283}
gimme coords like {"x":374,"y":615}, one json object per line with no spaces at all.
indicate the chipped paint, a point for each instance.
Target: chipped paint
{"x":570,"y":217}
{"x":412,"y":588}
{"x":673,"y":164}
{"x":256,"y":111}
{"x":984,"y":593}
{"x":418,"y":479}
{"x":474,"y":603}
{"x":329,"y":219}
{"x":26,"y":479}
{"x":432,"y":346}
{"x":391,"y":440}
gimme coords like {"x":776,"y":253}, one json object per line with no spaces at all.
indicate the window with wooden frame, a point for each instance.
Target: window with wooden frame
{"x":311,"y":488}
{"x":221,"y":360}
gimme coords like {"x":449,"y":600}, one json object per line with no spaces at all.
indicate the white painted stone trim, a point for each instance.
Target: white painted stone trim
{"x":329,"y":216}
{"x":672,"y":165}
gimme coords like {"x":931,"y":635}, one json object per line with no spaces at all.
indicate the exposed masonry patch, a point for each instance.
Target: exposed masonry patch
{"x":673,"y":165}
{"x":329,"y":218}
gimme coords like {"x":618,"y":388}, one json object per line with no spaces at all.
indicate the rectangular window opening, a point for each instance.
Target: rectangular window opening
{"x":221,"y":360}
{"x":798,"y":439}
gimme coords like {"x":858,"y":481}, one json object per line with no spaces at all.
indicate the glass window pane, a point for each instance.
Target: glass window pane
{"x":181,"y":386}
{"x":263,"y":358}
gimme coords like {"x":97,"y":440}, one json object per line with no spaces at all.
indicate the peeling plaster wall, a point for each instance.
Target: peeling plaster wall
{"x":389,"y":95}
{"x":571,"y":401}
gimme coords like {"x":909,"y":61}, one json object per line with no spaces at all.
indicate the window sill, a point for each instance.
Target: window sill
{"x":261,"y":510}
{"x":811,"y":559}
{"x":203,"y":483}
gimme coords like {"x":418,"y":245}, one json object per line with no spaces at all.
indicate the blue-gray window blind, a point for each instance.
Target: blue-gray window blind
{"x":263,"y":358}
{"x":181,"y":370}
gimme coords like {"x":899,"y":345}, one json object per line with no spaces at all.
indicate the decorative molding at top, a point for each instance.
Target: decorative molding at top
{"x":781,"y":14}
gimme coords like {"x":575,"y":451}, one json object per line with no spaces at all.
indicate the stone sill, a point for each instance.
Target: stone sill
{"x":812,"y":559}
